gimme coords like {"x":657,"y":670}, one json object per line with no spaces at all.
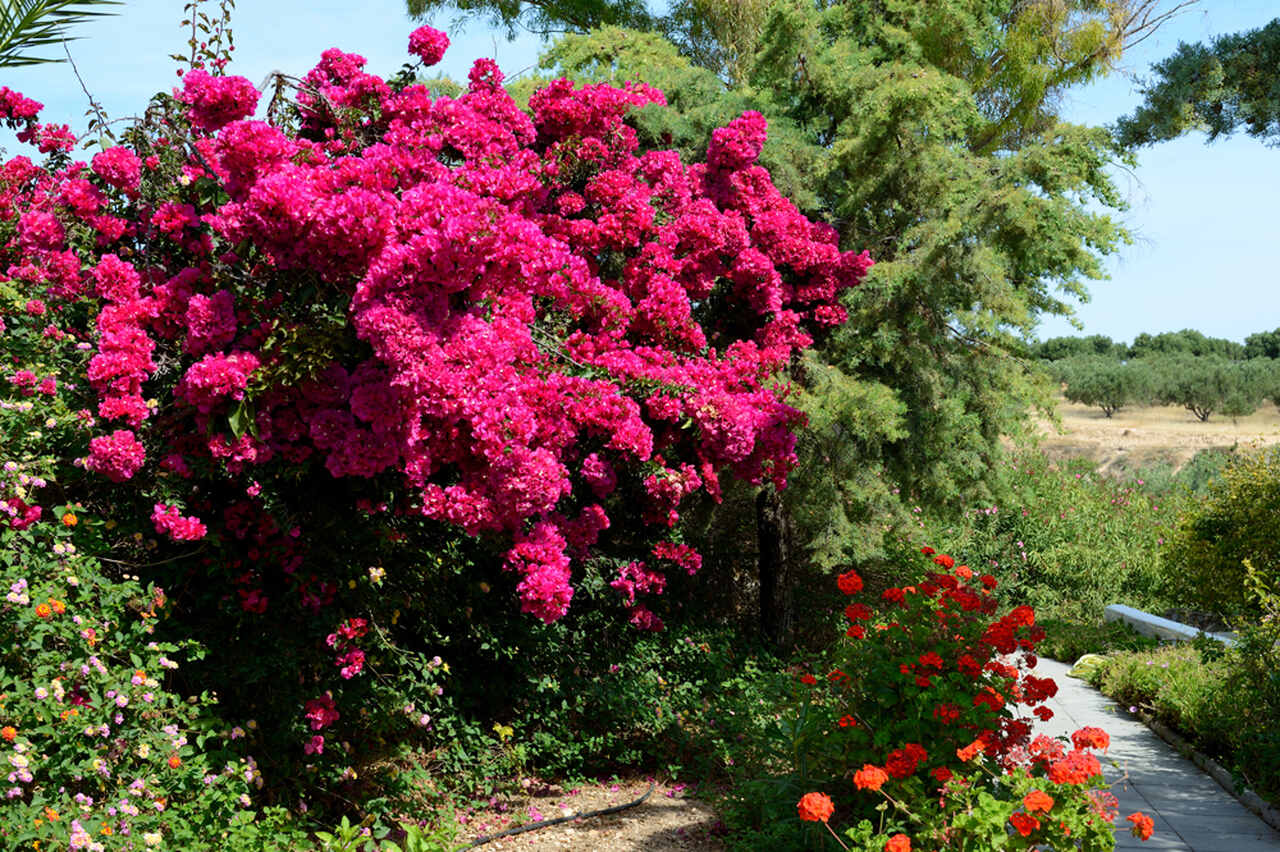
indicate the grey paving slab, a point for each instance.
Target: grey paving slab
{"x":1190,"y":811}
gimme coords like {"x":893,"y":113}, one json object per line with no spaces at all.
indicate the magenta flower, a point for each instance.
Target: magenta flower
{"x":428,"y":44}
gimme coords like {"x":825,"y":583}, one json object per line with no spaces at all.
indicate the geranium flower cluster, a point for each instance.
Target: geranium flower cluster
{"x":936,"y":719}
{"x":523,"y":320}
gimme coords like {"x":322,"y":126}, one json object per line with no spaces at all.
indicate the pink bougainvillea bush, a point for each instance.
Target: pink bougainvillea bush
{"x":377,"y":311}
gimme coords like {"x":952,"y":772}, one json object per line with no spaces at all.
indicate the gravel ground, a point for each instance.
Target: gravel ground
{"x":667,"y":821}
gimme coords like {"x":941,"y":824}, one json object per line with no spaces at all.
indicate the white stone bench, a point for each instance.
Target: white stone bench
{"x":1161,"y":628}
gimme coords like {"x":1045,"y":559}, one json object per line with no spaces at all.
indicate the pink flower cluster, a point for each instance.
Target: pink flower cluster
{"x":117,"y":456}
{"x":216,"y":101}
{"x":16,"y":109}
{"x":536,"y":328}
{"x":321,"y":712}
{"x":169,"y":521}
{"x":428,"y":44}
{"x":118,"y":167}
{"x":350,"y":659}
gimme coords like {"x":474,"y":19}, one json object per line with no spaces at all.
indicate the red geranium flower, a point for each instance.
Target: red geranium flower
{"x":1091,"y":738}
{"x":931,"y":658}
{"x":1076,"y":768}
{"x":903,"y":762}
{"x":849,"y":582}
{"x":970,"y":751}
{"x":1024,"y":823}
{"x":857,"y":612}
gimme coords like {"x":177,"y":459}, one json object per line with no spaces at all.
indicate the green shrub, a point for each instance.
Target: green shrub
{"x":1238,"y":519}
{"x":1067,"y":540}
{"x":98,"y":742}
{"x":1068,"y":641}
{"x":1203,"y":468}
{"x":1224,"y":700}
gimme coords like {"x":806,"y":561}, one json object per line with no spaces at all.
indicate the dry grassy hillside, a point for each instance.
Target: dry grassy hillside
{"x":1139,"y":437}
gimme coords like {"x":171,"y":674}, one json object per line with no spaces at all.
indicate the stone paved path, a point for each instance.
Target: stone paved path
{"x":1191,"y":812}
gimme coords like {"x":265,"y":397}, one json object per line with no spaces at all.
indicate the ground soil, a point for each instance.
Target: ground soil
{"x":1135,"y":438}
{"x":667,"y":821}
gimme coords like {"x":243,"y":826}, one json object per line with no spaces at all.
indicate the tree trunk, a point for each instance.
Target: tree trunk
{"x":777,"y":615}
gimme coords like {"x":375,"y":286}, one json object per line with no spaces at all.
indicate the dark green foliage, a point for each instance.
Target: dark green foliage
{"x":548,"y":16}
{"x":1225,"y":701}
{"x":1068,"y":641}
{"x":1185,"y":342}
{"x":1264,"y":344}
{"x":1193,"y":477}
{"x":1058,"y":348}
{"x":1228,"y":85}
{"x":1206,"y":385}
{"x":1206,"y":375}
{"x":1068,"y":541}
{"x":1204,"y":467}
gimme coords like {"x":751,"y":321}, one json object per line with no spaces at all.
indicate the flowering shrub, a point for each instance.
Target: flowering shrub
{"x":521,"y":315}
{"x":97,"y":751}
{"x":445,"y":316}
{"x":521,"y":303}
{"x":929,"y":708}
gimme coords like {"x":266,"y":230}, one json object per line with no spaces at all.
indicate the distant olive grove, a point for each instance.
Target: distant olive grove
{"x":1205,"y":375}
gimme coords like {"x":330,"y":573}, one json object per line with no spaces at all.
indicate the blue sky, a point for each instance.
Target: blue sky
{"x":1206,"y":250}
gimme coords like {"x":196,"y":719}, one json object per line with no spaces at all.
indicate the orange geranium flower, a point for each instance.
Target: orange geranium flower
{"x":57,"y":606}
{"x":1037,"y":800}
{"x":1143,"y":825}
{"x":815,"y":807}
{"x":8,"y":733}
{"x":174,"y":761}
{"x":870,"y":777}
{"x":970,"y":751}
{"x":69,"y":520}
{"x":43,"y":610}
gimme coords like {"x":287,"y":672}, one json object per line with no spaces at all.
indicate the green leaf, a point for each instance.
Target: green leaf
{"x":27,"y":25}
